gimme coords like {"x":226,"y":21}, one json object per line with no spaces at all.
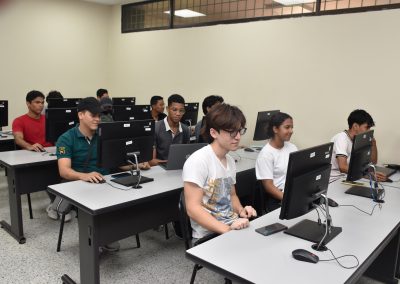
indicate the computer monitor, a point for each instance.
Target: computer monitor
{"x":360,"y":163}
{"x":191,"y":113}
{"x":59,"y":120}
{"x":263,"y":119}
{"x":63,"y":103}
{"x":125,"y":142}
{"x":127,"y":101}
{"x":360,"y":157}
{"x":129,"y":113}
{"x":306,"y":186}
{"x":3,"y":113}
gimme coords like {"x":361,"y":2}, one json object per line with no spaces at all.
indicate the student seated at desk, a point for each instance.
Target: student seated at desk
{"x":272,"y":162}
{"x":208,"y":102}
{"x":170,"y":130}
{"x":359,"y":121}
{"x":77,"y":149}
{"x":209,"y":176}
{"x":52,"y":95}
{"x":29,"y":129}
{"x":157,"y":108}
{"x":102,"y":93}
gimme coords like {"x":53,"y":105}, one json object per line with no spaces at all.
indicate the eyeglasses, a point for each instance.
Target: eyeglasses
{"x":234,"y":133}
{"x":181,"y":111}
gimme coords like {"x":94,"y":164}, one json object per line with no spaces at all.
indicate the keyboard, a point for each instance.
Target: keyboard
{"x":131,"y":180}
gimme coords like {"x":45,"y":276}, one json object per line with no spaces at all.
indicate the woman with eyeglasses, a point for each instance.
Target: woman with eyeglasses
{"x":272,"y":162}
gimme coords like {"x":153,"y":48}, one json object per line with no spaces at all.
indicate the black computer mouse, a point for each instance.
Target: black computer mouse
{"x":248,"y":150}
{"x":332,"y":203}
{"x":304,"y":255}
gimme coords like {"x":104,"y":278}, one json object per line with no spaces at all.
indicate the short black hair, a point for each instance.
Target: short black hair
{"x":33,"y":95}
{"x":155,"y":99}
{"x":360,"y":116}
{"x":222,"y":117}
{"x":53,"y":95}
{"x":175,"y":98}
{"x":210,"y":101}
{"x":101,"y":92}
{"x":276,"y":120}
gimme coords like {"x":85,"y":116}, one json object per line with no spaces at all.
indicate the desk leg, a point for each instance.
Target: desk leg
{"x":384,"y":268}
{"x":88,"y":249}
{"x":16,"y":229}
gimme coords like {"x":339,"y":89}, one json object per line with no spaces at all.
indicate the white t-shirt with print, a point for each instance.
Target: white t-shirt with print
{"x":341,"y":147}
{"x":272,"y":163}
{"x":204,"y":169}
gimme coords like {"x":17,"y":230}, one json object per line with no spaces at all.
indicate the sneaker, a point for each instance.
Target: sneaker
{"x":68,"y":217}
{"x":52,"y":213}
{"x":111,"y":247}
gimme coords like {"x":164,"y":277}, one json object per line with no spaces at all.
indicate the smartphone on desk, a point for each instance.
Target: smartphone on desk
{"x":271,"y":229}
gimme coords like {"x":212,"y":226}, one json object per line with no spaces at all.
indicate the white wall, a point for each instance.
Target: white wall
{"x":318,"y":69}
{"x":52,"y":44}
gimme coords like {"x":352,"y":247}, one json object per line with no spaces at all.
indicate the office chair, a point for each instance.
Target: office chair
{"x":187,"y":235}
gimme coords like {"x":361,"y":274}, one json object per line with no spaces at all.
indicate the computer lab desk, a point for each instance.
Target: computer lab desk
{"x":107,"y":214}
{"x":249,"y":257}
{"x":27,"y":172}
{"x":6,"y":142}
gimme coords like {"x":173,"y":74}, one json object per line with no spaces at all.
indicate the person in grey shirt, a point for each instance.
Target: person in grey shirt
{"x":208,"y":102}
{"x":170,"y":130}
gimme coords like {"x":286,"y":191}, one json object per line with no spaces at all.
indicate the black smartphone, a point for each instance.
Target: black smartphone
{"x":125,"y":174}
{"x":271,"y":229}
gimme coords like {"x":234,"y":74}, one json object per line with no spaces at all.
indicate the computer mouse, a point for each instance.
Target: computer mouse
{"x":102,"y":181}
{"x":248,"y":150}
{"x":304,"y":255}
{"x":332,"y":203}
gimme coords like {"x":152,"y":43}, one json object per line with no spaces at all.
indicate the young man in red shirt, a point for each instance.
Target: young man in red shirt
{"x":29,"y":129}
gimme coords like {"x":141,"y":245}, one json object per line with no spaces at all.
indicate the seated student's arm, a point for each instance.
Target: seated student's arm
{"x":342,"y":163}
{"x":271,"y":189}
{"x":142,"y":166}
{"x":155,"y":161}
{"x":195,"y":210}
{"x":243,"y":212}
{"x":66,"y":172}
{"x":19,"y":140}
{"x":374,"y":159}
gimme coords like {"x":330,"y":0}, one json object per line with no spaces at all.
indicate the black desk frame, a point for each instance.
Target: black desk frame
{"x":25,"y":179}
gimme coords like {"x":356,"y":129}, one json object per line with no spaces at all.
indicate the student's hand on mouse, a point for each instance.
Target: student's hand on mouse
{"x":93,"y":177}
{"x":239,"y":224}
{"x":36,"y":147}
{"x":381,"y":176}
{"x":248,"y":212}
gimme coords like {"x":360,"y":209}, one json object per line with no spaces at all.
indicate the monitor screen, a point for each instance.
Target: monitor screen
{"x":3,"y":113}
{"x":63,"y":103}
{"x":191,"y":113}
{"x":129,"y":113}
{"x":59,"y":120}
{"x":360,"y":157}
{"x":263,"y":119}
{"x":127,"y":101}
{"x":119,"y":141}
{"x":307,"y":180}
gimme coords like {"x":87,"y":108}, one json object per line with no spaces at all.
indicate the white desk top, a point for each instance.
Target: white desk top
{"x":99,"y":196}
{"x":261,"y":259}
{"x":25,"y":157}
{"x":6,"y":138}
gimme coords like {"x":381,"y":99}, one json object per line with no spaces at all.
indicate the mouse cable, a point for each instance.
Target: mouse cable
{"x":110,"y":184}
{"x":368,"y":213}
{"x":337,"y":260}
{"x":237,"y":155}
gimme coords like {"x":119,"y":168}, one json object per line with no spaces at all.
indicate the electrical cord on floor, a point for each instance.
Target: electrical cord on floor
{"x":368,"y":213}
{"x":339,"y":257}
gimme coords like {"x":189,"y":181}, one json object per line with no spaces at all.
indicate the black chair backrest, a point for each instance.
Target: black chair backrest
{"x":185,"y":222}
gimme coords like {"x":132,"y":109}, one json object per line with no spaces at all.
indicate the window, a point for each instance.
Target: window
{"x":188,"y":13}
